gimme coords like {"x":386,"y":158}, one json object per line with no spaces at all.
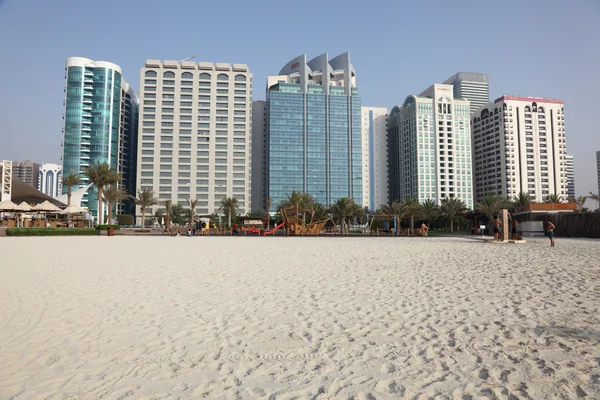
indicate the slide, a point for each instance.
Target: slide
{"x":272,"y":231}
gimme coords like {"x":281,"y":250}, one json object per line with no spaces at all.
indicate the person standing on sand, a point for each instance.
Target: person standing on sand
{"x":514,"y":229}
{"x":551,"y":232}
{"x":424,"y":229}
{"x":497,"y":226}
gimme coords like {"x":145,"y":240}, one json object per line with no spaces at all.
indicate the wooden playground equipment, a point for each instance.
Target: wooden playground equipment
{"x":296,"y":225}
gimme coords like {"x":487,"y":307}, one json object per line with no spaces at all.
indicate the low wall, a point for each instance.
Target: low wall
{"x":573,"y":224}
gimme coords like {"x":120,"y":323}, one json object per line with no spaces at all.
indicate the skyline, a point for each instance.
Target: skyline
{"x":523,"y":56}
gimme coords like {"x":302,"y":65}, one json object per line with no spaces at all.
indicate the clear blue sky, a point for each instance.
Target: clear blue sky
{"x":545,"y":48}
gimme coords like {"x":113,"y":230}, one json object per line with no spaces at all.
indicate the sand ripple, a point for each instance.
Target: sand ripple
{"x":284,"y":318}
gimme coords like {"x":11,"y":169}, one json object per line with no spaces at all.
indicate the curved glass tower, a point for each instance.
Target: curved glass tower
{"x":99,"y":122}
{"x":314,"y":130}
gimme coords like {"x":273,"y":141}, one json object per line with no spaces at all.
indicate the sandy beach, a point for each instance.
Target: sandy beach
{"x":298,"y":318}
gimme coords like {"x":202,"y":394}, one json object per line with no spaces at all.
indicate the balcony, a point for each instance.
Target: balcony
{"x":88,"y":81}
{"x":85,"y":121}
{"x":87,"y":94}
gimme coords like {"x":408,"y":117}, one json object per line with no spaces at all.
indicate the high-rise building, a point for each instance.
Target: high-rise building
{"x":195,"y":124}
{"x":100,"y":124}
{"x":27,"y":171}
{"x":314,"y":130}
{"x":374,"y":156}
{"x":519,"y":146}
{"x":50,"y":180}
{"x":471,"y":86}
{"x":570,"y":175}
{"x":430,"y":147}
{"x":259,"y":160}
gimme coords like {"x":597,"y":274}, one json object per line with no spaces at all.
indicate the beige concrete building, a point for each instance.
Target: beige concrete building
{"x":429,"y":143}
{"x":195,"y":133}
{"x":374,"y":157}
{"x":519,"y":146}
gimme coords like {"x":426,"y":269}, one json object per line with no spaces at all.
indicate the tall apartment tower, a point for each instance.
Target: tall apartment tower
{"x":471,"y":86}
{"x":519,"y":146}
{"x":195,"y":125}
{"x":50,"y":180}
{"x":314,"y":130}
{"x":100,"y":124}
{"x":259,"y":124}
{"x":375,"y":157}
{"x":27,"y":171}
{"x":570,"y":175}
{"x":430,"y":147}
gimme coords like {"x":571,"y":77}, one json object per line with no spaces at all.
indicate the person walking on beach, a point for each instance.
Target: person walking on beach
{"x":551,"y":232}
{"x":497,"y":226}
{"x":424,"y":229}
{"x":514,"y":229}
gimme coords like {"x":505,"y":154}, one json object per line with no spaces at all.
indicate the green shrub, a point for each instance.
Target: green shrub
{"x":125,"y":219}
{"x":104,"y":227}
{"x":51,"y":232}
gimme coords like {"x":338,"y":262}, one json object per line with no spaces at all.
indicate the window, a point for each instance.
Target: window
{"x":240,"y":78}
{"x":169,"y":74}
{"x":187,"y":75}
{"x":168,"y":82}
{"x":204,"y":76}
{"x":168,"y":103}
{"x":149,"y":95}
{"x":222,"y":77}
{"x":149,"y":88}
{"x":150,"y":74}
{"x":150,"y":81}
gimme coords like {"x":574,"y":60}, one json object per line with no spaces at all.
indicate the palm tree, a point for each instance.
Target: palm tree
{"x":72,"y":179}
{"x":595,"y":197}
{"x":490,"y":206}
{"x":269,"y":204}
{"x":229,"y":205}
{"x":413,"y":209}
{"x":345,"y":208}
{"x":429,"y":210}
{"x":145,"y":199}
{"x":168,"y":205}
{"x":396,"y":209}
{"x":319,"y":212}
{"x":453,"y":208}
{"x":112,"y":195}
{"x":580,"y":202}
{"x":69,"y":181}
{"x":302,"y":201}
{"x":192,"y":204}
{"x":521,"y":201}
{"x":101,"y":175}
{"x":553,"y":198}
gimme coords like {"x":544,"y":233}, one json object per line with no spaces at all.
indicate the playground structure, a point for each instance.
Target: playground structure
{"x":298,"y":227}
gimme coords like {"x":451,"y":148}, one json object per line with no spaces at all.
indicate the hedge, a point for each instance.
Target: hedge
{"x":105,"y":227}
{"x":51,"y":232}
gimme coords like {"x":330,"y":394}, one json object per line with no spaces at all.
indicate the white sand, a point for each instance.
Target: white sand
{"x":296,"y":318}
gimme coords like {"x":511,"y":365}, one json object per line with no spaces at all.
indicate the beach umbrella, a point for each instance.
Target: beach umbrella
{"x":46,"y":206}
{"x":7,"y":206}
{"x":23,"y":207}
{"x":73,"y":209}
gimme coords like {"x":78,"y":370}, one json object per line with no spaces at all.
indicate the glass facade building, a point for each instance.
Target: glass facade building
{"x":314,"y":131}
{"x":100,"y":124}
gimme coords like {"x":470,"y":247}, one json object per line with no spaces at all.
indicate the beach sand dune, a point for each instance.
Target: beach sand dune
{"x":298,"y":318}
